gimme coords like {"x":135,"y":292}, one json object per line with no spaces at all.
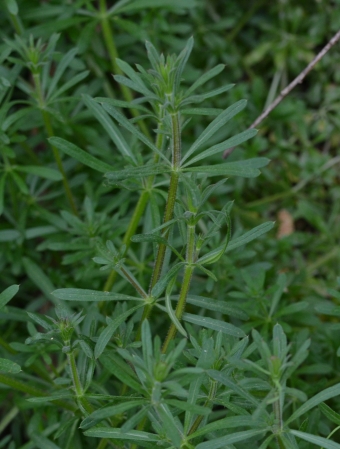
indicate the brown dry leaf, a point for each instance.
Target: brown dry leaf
{"x":286,"y":223}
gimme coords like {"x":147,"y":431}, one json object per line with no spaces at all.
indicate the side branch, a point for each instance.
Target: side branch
{"x":291,"y":86}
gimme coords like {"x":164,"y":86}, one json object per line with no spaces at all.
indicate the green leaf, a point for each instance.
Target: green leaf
{"x":43,"y":442}
{"x":80,"y":155}
{"x":217,"y":325}
{"x":147,"y":345}
{"x":112,"y":410}
{"x":193,"y":408}
{"x":137,"y":172}
{"x":214,"y":126}
{"x":112,"y":130}
{"x":315,"y":400}
{"x":164,"y":280}
{"x":225,"y":441}
{"x":12,"y":7}
{"x":226,"y":423}
{"x":117,"y":434}
{"x":39,"y":278}
{"x":133,"y":130}
{"x":166,"y":4}
{"x":173,"y":316}
{"x":217,"y":306}
{"x":182,"y":58}
{"x":55,"y":397}
{"x":121,"y":370}
{"x":79,"y":294}
{"x":202,"y":97}
{"x":8,"y":235}
{"x":8,"y":294}
{"x":204,"y":78}
{"x":43,"y":172}
{"x":7,"y":366}
{"x":74,"y":80}
{"x":107,"y":333}
{"x":314,"y":439}
{"x":61,"y":67}
{"x":250,"y":235}
{"x":201,"y":111}
{"x":238,"y":168}
{"x":329,"y":413}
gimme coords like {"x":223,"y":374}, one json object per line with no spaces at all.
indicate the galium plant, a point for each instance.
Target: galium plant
{"x":118,"y":378}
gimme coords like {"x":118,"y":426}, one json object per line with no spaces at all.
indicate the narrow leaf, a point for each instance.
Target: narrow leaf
{"x":117,"y":434}
{"x":112,"y":130}
{"x":215,"y":125}
{"x":250,"y":235}
{"x":329,"y":413}
{"x":79,"y":294}
{"x":7,"y":366}
{"x":137,"y":172}
{"x":8,"y":294}
{"x":43,"y":172}
{"x":225,"y":441}
{"x":205,"y":77}
{"x":80,"y":155}
{"x":314,"y":439}
{"x":107,"y":333}
{"x":112,"y":410}
{"x":217,"y":325}
{"x":229,"y":143}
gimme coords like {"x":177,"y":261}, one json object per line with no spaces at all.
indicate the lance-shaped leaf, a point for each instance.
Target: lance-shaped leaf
{"x":133,"y":130}
{"x":250,"y":235}
{"x":314,"y":401}
{"x":80,"y":294}
{"x":43,"y":172}
{"x":229,"y":143}
{"x":164,"y":280}
{"x":134,"y":77}
{"x":136,"y":5}
{"x":213,"y":256}
{"x":61,"y":67}
{"x":107,"y":333}
{"x":217,"y":306}
{"x":173,"y":316}
{"x":225,"y":441}
{"x":110,"y":128}
{"x":201,"y":111}
{"x":227,"y":423}
{"x":214,"y":126}
{"x":80,"y":155}
{"x":8,"y":294}
{"x":7,"y":366}
{"x":112,"y":410}
{"x":117,"y":434}
{"x":202,"y":97}
{"x":204,"y":78}
{"x":314,"y":439}
{"x":216,"y":325}
{"x":182,"y":58}
{"x":137,"y":172}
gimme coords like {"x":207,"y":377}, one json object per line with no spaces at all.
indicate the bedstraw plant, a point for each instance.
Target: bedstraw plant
{"x":117,"y":378}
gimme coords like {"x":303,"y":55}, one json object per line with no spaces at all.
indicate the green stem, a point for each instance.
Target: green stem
{"x":139,"y":210}
{"x":17,"y":24}
{"x":31,"y":390}
{"x":172,"y":193}
{"x":83,"y":403}
{"x":188,"y":271}
{"x":112,"y":50}
{"x":211,"y":395}
{"x":50,"y":133}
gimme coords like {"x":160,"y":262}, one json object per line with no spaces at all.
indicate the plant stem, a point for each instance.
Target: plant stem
{"x":188,"y":271}
{"x":172,"y":193}
{"x":291,"y":86}
{"x":211,"y":395}
{"x":112,"y":50}
{"x":139,"y":210}
{"x":83,"y":403}
{"x":50,"y":133}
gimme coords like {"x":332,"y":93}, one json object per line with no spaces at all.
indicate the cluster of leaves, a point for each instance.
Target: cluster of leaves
{"x":115,"y":230}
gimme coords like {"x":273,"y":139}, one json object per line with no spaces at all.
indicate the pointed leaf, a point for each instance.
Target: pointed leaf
{"x":315,"y":400}
{"x":8,"y":294}
{"x":117,"y":434}
{"x":80,"y":155}
{"x":137,"y":172}
{"x":79,"y":294}
{"x":107,"y":333}
{"x":44,"y":172}
{"x":225,"y":441}
{"x":7,"y":366}
{"x":250,"y":235}
{"x":205,"y":77}
{"x":112,"y":130}
{"x":217,"y":325}
{"x":314,"y":439}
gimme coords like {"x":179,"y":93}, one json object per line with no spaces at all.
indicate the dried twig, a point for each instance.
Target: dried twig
{"x":291,"y":86}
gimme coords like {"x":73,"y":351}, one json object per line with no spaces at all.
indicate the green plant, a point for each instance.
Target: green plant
{"x":173,"y":301}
